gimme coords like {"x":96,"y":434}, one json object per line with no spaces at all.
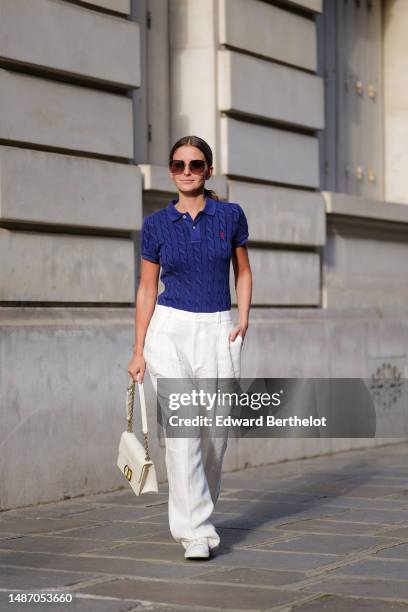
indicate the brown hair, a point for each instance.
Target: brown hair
{"x":205,"y":148}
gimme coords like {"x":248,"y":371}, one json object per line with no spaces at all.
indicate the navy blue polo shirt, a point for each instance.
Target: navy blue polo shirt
{"x":195,"y":255}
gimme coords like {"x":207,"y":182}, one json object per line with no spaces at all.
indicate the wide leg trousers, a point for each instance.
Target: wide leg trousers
{"x":191,"y":345}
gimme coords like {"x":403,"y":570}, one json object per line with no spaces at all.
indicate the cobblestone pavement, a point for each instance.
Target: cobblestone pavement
{"x":322,"y":534}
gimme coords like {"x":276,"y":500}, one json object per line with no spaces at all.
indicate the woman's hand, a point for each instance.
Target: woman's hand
{"x":137,"y":368}
{"x":238,"y":329}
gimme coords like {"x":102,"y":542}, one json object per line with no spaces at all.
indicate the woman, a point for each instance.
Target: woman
{"x":189,"y":332}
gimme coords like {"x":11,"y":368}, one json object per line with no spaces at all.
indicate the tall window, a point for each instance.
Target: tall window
{"x":350,"y":61}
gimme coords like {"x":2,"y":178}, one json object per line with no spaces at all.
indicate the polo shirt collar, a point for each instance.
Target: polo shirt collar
{"x":209,"y":208}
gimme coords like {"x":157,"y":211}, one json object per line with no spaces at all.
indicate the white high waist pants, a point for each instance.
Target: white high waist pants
{"x":191,"y":345}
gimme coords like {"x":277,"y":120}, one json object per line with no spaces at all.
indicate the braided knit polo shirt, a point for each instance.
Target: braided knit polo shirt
{"x":194,"y":255}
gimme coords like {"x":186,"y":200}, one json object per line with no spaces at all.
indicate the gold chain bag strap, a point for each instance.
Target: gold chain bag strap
{"x":133,"y":457}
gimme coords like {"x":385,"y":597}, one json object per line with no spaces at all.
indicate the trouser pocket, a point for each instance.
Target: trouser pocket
{"x":235,"y":348}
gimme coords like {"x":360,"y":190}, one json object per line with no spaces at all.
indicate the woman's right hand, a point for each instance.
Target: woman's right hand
{"x":137,"y":368}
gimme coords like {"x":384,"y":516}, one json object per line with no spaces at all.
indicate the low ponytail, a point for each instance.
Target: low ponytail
{"x":210,"y":193}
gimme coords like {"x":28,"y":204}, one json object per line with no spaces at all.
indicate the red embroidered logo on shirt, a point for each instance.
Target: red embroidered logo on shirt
{"x":222,"y":235}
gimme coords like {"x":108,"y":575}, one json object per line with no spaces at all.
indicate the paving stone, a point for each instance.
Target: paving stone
{"x":318,"y":511}
{"x":60,"y":510}
{"x":92,"y":513}
{"x":371,"y":491}
{"x":263,"y":471}
{"x":125,"y":498}
{"x":259,"y":484}
{"x":126,"y":513}
{"x":235,"y":521}
{"x":41,"y":525}
{"x":402,"y":496}
{"x":335,"y":603}
{"x":272,"y":496}
{"x":79,"y":604}
{"x":328,"y":484}
{"x":337,"y":544}
{"x":37,"y":579}
{"x":250,"y":576}
{"x":375,"y":568}
{"x":153,"y":533}
{"x":386,"y":517}
{"x":50,"y":544}
{"x":364,"y":587}
{"x":360,"y":503}
{"x":235,"y":597}
{"x":170,"y":552}
{"x":101,"y":565}
{"x":151,"y":607}
{"x":397,"y":532}
{"x":272,"y":559}
{"x":249,"y":537}
{"x":83,"y":604}
{"x":6,"y":536}
{"x":114,"y":532}
{"x":400,"y":551}
{"x":260,"y":472}
{"x":160,"y":608}
{"x":344,"y":482}
{"x":392,"y":471}
{"x":330,"y":526}
{"x":391,"y":480}
{"x":247,"y":521}
{"x":273,"y":510}
{"x":161,"y":520}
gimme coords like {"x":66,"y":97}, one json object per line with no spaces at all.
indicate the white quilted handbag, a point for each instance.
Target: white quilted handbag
{"x":133,"y":458}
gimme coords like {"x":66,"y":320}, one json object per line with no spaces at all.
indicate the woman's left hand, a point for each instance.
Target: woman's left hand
{"x":239,"y":329}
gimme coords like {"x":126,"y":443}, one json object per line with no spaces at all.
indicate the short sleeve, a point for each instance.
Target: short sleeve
{"x":149,"y":247}
{"x":240,"y":236}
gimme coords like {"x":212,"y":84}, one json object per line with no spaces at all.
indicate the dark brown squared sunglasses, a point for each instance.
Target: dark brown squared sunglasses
{"x":197,"y":166}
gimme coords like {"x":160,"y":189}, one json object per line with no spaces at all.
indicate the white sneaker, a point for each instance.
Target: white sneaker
{"x":197,"y":549}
